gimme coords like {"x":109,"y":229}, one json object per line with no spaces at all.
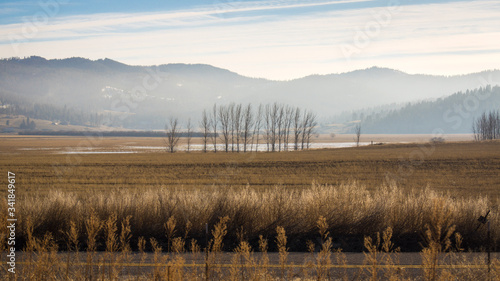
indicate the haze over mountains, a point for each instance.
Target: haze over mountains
{"x":144,"y":96}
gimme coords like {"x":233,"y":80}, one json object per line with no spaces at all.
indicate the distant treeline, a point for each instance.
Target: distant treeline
{"x":13,"y":105}
{"x":105,"y":133}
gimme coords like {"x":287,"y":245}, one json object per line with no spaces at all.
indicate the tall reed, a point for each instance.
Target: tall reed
{"x":166,"y":212}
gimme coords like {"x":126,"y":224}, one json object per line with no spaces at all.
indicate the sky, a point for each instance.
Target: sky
{"x":278,"y":39}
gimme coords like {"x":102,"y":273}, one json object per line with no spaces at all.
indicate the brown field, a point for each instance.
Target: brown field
{"x":423,"y":193}
{"x":461,"y":168}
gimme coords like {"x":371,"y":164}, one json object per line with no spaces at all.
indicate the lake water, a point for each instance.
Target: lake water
{"x":194,"y":147}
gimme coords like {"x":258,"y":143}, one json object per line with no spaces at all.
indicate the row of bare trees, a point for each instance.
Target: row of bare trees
{"x":240,"y":128}
{"x":487,"y":126}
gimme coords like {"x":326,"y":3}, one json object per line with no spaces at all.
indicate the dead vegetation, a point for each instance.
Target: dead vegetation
{"x":104,"y":211}
{"x":463,"y":169}
{"x":350,"y":210}
{"x":40,"y":260}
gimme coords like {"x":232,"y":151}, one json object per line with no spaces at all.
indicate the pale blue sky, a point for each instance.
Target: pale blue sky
{"x":281,"y":39}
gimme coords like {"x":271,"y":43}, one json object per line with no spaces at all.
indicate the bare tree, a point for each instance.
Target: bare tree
{"x":267,"y":126}
{"x":273,"y":114}
{"x":297,"y":128}
{"x":303,"y":130}
{"x":237,"y":120}
{"x":231,"y":123}
{"x":271,"y":122}
{"x":480,"y":128}
{"x":172,"y":131}
{"x":225,"y":122}
{"x":280,"y":124}
{"x":189,"y":134}
{"x":308,"y":125}
{"x":205,"y":129}
{"x":247,"y":126}
{"x":214,"y":121}
{"x":287,"y":125}
{"x":256,"y":129}
{"x":475,"y":130}
{"x":495,"y":124}
{"x":357,"y":131}
{"x":487,"y":126}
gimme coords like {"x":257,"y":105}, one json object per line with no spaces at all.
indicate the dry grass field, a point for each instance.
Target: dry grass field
{"x":461,"y":168}
{"x":420,"y":196}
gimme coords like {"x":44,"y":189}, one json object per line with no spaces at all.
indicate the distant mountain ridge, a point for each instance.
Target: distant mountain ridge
{"x":146,"y":95}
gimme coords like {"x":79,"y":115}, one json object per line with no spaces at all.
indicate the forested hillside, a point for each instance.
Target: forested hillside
{"x":15,"y":105}
{"x":453,"y":114}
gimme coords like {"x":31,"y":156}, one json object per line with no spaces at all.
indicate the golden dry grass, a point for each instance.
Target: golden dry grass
{"x":41,"y":261}
{"x":350,"y":210}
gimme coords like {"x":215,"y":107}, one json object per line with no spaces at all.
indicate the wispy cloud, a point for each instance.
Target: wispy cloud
{"x":241,"y":6}
{"x":446,"y":38}
{"x":201,"y":16}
